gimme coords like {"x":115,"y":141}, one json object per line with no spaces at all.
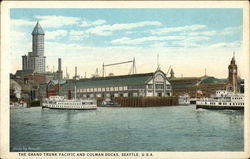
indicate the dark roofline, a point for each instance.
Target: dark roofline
{"x":111,"y":77}
{"x":183,"y":78}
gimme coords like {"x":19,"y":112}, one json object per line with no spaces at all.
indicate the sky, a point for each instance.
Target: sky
{"x":189,"y":40}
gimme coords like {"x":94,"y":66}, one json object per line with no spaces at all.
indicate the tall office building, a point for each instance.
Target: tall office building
{"x":35,"y":60}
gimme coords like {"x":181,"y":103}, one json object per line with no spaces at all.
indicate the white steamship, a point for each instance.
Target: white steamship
{"x":59,"y":102}
{"x":222,"y":99}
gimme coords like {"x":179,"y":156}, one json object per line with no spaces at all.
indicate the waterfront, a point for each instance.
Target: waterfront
{"x":179,"y":128}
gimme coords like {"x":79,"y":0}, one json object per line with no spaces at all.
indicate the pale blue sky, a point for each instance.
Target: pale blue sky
{"x":189,"y":40}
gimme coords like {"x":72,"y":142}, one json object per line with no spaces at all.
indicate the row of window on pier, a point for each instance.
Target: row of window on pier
{"x":124,"y":88}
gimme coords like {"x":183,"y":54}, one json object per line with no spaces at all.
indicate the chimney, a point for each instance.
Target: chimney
{"x":75,"y":71}
{"x":59,"y":65}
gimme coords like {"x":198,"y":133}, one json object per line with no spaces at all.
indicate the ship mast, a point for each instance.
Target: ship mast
{"x":75,"y":80}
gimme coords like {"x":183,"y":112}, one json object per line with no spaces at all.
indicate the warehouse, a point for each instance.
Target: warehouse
{"x":143,"y":85}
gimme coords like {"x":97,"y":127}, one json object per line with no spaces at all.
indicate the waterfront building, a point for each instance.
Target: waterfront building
{"x":53,"y":87}
{"x":207,"y":85}
{"x":22,"y":90}
{"x":35,"y":60}
{"x":136,"y":85}
{"x":15,"y":91}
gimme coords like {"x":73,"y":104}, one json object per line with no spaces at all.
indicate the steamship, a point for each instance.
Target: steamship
{"x":222,"y":99}
{"x":225,"y":99}
{"x":59,"y":102}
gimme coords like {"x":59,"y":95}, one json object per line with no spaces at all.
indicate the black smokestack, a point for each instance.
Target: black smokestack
{"x":59,"y":64}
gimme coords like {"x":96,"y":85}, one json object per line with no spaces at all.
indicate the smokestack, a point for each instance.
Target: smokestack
{"x":75,"y":71}
{"x":59,"y":64}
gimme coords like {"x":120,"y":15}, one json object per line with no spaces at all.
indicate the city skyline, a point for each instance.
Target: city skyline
{"x":189,"y":40}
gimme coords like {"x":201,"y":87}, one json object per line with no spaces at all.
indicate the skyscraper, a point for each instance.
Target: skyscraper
{"x":35,"y":60}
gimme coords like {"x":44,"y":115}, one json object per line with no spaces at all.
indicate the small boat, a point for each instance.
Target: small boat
{"x":108,"y":103}
{"x":184,"y":100}
{"x":20,"y":104}
{"x":222,"y":99}
{"x":58,"y":102}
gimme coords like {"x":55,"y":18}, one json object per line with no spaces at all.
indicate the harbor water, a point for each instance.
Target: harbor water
{"x":178,"y":128}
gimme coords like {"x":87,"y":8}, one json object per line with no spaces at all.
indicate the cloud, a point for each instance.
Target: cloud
{"x":231,"y":30}
{"x":180,"y":40}
{"x":206,"y":33}
{"x":78,"y":35}
{"x":92,"y":23}
{"x":234,"y":44}
{"x":22,"y":22}
{"x":126,"y":40}
{"x":178,"y":29}
{"x":20,"y":42}
{"x":51,"y":35}
{"x":105,"y":30}
{"x":57,"y":21}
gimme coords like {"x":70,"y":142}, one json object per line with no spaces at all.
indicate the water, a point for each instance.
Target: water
{"x":181,"y":128}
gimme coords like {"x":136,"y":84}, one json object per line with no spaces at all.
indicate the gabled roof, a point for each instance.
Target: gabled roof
{"x":137,"y":79}
{"x":38,"y":30}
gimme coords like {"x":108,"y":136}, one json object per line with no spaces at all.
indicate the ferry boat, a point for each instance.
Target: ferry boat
{"x":184,"y":100}
{"x":59,"y":102}
{"x":222,"y":99}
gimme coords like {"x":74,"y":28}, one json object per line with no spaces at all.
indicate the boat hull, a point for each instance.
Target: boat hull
{"x":219,"y":107}
{"x":88,"y":108}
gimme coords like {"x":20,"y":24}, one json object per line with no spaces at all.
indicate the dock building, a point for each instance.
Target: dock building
{"x":136,"y":85}
{"x":207,"y":85}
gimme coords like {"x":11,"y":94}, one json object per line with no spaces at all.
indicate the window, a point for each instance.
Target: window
{"x":150,"y":86}
{"x":159,"y":86}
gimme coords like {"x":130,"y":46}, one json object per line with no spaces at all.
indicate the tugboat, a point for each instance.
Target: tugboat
{"x":222,"y":99}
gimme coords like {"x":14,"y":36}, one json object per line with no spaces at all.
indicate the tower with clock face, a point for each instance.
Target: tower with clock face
{"x":232,"y":75}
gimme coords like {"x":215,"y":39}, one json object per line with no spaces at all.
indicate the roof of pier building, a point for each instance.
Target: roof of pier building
{"x":211,"y":80}
{"x":124,"y":80}
{"x":184,"y":82}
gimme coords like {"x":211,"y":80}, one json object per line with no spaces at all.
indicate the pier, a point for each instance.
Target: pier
{"x":142,"y":101}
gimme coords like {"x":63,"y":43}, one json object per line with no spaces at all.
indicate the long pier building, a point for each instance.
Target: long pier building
{"x":135,"y":85}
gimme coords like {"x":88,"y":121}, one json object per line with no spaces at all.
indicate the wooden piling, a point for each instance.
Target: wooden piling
{"x":143,"y":101}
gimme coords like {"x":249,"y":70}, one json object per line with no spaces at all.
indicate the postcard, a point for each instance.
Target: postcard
{"x":125,"y":79}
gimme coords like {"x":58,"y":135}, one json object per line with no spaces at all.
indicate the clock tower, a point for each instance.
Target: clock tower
{"x":232,"y":75}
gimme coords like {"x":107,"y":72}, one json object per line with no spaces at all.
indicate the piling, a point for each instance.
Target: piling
{"x":143,"y":101}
